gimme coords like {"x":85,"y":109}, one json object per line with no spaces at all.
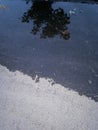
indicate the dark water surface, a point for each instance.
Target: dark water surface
{"x":57,"y":40}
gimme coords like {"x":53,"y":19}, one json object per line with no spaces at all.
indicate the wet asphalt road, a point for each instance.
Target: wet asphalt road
{"x":59,"y":42}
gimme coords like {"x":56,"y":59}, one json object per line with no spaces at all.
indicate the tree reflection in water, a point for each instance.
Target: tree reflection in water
{"x":46,"y":20}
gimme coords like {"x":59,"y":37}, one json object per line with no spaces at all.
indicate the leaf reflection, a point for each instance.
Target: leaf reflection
{"x":46,"y":20}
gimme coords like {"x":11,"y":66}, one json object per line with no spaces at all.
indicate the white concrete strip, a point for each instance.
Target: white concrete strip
{"x":27,"y":105}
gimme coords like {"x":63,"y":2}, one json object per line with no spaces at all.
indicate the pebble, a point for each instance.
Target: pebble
{"x":90,"y":81}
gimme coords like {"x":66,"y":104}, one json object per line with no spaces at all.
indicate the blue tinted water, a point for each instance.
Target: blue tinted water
{"x":57,"y":40}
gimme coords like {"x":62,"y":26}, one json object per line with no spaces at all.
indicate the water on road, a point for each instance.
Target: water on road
{"x":56,"y":40}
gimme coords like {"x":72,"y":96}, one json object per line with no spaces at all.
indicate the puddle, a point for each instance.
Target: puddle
{"x":57,"y":40}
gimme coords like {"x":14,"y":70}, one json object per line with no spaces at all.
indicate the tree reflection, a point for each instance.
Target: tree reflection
{"x":46,"y":20}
